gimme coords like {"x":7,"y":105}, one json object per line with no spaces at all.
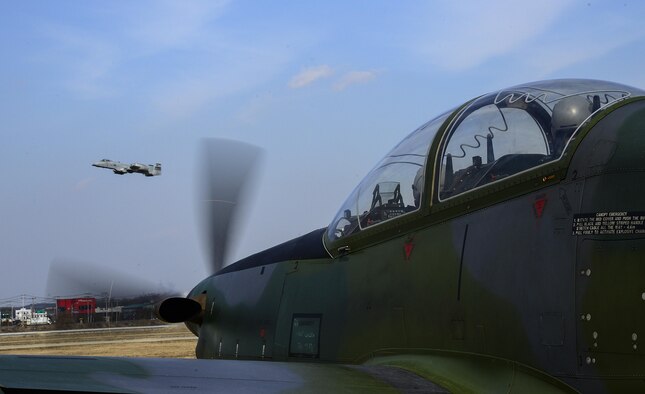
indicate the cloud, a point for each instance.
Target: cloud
{"x":309,"y":76}
{"x":91,"y":59}
{"x":168,"y":24}
{"x":87,"y":59}
{"x":142,"y":48}
{"x":463,"y":35}
{"x":229,"y":73}
{"x":352,"y":78}
{"x":566,"y":48}
{"x":566,"y":53}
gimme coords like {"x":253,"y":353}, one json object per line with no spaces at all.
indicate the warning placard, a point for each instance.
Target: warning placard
{"x":609,"y":223}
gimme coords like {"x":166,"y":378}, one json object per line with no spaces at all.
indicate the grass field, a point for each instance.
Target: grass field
{"x":173,"y":340}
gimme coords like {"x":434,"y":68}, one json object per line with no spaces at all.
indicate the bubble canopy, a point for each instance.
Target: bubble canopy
{"x":495,"y":136}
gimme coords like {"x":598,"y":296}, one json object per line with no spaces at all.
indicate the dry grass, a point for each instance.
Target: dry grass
{"x":161,"y":341}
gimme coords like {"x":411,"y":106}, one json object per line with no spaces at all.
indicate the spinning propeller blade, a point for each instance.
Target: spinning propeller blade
{"x":226,"y":167}
{"x":67,"y":278}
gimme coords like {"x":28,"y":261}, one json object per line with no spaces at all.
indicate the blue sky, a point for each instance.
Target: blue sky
{"x":325,"y":88}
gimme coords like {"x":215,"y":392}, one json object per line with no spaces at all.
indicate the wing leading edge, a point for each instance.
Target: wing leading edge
{"x":20,"y":374}
{"x":432,"y":372}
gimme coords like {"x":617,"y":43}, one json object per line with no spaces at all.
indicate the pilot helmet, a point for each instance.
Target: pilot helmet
{"x":568,"y":114}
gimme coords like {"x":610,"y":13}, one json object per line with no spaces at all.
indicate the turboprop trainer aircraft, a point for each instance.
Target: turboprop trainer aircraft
{"x":123,"y":168}
{"x":500,"y":247}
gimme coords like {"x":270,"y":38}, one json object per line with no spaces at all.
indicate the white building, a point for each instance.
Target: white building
{"x":23,"y":314}
{"x":28,"y":317}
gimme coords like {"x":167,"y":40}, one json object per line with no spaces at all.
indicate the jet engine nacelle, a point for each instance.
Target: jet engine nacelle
{"x":137,"y":166}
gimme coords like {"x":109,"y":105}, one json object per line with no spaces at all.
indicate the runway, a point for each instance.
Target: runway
{"x":173,"y":340}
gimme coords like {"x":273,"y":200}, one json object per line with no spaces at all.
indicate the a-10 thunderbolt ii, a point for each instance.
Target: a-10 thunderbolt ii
{"x":500,"y":247}
{"x":124,"y":168}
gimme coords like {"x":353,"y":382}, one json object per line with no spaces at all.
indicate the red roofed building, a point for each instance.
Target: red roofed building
{"x":76,"y":306}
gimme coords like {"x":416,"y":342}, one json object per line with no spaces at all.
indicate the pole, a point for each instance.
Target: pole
{"x":108,"y":300}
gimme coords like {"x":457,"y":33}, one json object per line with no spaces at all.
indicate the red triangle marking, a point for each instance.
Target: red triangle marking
{"x":408,"y":246}
{"x":538,"y":206}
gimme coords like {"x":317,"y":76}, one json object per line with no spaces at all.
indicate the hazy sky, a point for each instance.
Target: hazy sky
{"x":325,"y":88}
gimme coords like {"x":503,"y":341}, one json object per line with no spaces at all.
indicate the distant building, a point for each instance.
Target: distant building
{"x":6,"y":318}
{"x":75,"y":309}
{"x":23,"y":314}
{"x":29,"y":317}
{"x":76,"y":306}
{"x":113,"y":309}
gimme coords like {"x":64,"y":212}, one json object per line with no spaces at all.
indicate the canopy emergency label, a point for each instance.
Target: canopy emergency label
{"x":609,"y":223}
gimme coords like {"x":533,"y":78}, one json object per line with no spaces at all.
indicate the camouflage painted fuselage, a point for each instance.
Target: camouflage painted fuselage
{"x":520,"y":270}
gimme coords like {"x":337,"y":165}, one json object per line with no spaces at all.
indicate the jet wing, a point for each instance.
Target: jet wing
{"x":138,"y":166}
{"x":438,"y":373}
{"x":139,"y":375}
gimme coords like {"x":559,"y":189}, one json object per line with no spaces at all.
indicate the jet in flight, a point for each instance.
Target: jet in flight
{"x":124,"y":168}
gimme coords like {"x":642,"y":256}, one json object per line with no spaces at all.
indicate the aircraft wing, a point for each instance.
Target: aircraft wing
{"x":138,"y":166}
{"x":136,"y":375}
{"x":403,"y":373}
